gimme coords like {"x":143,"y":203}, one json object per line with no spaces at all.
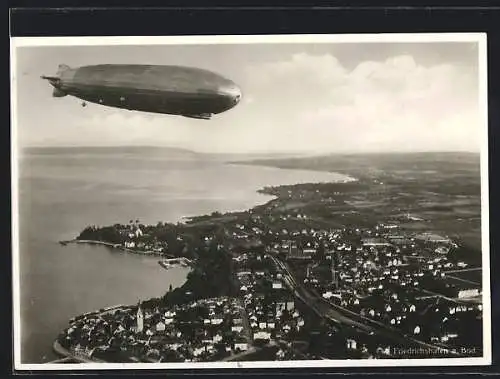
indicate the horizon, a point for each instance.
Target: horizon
{"x":248,"y":153}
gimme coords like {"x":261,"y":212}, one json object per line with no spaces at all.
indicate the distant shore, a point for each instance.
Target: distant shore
{"x":342,"y":177}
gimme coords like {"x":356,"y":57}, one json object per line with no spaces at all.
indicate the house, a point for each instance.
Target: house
{"x":236,"y":328}
{"x":217,"y":338}
{"x":170,"y":313}
{"x":198,"y":351}
{"x":351,"y":344}
{"x":216,"y":321}
{"x":261,"y":335}
{"x":442,"y":250}
{"x":243,"y":346}
{"x":277,"y":285}
{"x":327,"y":294}
{"x":160,"y":327}
{"x":467,"y":293}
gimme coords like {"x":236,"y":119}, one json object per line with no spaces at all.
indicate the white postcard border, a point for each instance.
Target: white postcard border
{"x":480,"y":38}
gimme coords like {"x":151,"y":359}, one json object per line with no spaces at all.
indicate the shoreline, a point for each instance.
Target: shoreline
{"x":63,"y":352}
{"x":116,"y":246}
{"x":82,"y":358}
{"x":345,"y":177}
{"x":265,"y":191}
{"x":188,"y":220}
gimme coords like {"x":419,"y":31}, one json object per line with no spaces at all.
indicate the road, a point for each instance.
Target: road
{"x":341,"y":315}
{"x":463,"y":270}
{"x":315,"y":302}
{"x":246,"y":322}
{"x":477,"y":299}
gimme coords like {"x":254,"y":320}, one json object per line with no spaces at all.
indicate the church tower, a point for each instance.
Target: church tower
{"x":140,"y":319}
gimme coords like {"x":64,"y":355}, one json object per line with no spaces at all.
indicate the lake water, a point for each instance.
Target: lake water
{"x":61,"y":192}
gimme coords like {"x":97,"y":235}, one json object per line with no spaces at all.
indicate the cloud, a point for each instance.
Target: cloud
{"x":304,"y":102}
{"x":384,"y":105}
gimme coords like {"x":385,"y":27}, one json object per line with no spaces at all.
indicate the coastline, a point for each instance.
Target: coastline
{"x":116,"y":246}
{"x":82,"y":358}
{"x":270,"y":189}
{"x":60,"y":350}
{"x":343,"y":177}
{"x":187,"y":220}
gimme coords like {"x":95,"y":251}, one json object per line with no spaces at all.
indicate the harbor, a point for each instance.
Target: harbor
{"x":175,"y":262}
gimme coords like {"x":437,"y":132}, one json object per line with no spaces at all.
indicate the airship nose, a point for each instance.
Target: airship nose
{"x":232,"y":91}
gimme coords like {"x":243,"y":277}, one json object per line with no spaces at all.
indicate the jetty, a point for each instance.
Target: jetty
{"x":90,"y":242}
{"x":182,"y":261}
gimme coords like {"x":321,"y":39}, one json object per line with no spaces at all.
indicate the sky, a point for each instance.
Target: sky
{"x":310,"y":98}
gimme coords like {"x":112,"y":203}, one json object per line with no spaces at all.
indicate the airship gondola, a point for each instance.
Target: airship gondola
{"x":176,"y":90}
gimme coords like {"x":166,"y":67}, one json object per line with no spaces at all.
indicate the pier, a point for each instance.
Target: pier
{"x":90,"y":242}
{"x":166,"y":263}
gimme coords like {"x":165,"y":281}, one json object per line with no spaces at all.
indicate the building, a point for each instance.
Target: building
{"x":262,"y":336}
{"x":375,"y":242}
{"x":277,"y":285}
{"x":302,"y":254}
{"x":467,"y":293}
{"x":351,"y":344}
{"x":432,"y":238}
{"x":243,"y":346}
{"x":140,"y":320}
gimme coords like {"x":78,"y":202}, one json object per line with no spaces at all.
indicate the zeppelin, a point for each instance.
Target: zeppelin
{"x":176,"y":90}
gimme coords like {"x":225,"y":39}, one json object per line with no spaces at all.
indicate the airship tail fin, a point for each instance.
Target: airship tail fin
{"x":61,"y":68}
{"x":58,"y":93}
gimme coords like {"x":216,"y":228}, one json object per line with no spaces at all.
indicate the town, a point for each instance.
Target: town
{"x":322,"y":271}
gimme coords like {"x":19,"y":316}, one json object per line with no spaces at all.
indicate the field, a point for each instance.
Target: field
{"x":441,"y":190}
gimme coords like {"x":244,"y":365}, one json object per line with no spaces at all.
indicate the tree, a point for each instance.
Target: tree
{"x":320,"y":253}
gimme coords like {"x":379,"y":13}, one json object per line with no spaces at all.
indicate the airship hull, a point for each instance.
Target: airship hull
{"x":174,"y":90}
